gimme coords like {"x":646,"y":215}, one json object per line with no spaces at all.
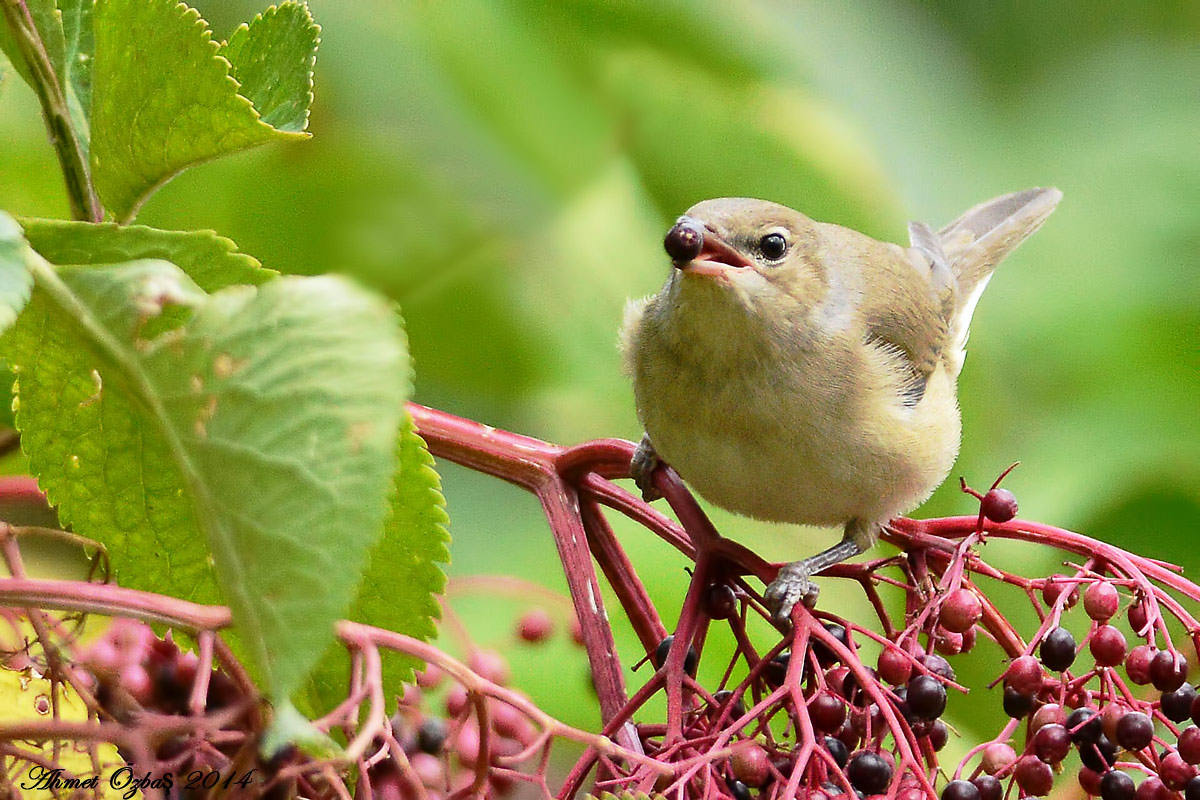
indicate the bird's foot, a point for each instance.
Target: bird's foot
{"x":641,"y":468}
{"x":793,"y":584}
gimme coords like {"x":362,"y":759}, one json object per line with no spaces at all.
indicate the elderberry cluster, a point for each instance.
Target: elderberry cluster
{"x":445,"y":746}
{"x":1132,"y":742}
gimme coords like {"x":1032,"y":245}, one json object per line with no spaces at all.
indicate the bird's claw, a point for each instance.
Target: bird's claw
{"x":792,"y":585}
{"x":641,"y":468}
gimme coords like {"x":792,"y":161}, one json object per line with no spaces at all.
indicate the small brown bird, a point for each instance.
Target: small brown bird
{"x":798,"y":371}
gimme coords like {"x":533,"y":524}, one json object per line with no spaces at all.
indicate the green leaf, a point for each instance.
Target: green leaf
{"x":212,"y":261}
{"x":16,"y":282}
{"x":48,"y":21}
{"x":273,"y":59}
{"x":163,"y":98}
{"x":79,"y":43}
{"x":289,"y":727}
{"x":263,"y":418}
{"x":66,"y":430}
{"x":403,"y":578}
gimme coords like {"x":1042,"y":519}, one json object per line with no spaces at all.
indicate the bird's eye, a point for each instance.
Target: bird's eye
{"x":773,"y":246}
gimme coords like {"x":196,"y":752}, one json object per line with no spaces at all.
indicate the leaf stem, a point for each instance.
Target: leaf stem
{"x":66,"y":141}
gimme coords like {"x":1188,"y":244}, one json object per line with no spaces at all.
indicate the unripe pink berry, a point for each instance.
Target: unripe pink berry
{"x":535,"y":626}
{"x":1101,"y":601}
{"x":1049,"y":714}
{"x":1175,"y":772}
{"x":1137,"y":664}
{"x":1034,"y":776}
{"x":999,"y":505}
{"x":489,"y":665}
{"x":1056,"y":586}
{"x":751,"y":765}
{"x":1025,"y":674}
{"x":960,"y":611}
{"x":894,"y":666}
{"x":998,"y":757}
{"x":430,"y":677}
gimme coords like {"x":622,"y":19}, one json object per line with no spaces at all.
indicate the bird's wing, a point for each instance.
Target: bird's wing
{"x":907,"y":315}
{"x":977,"y":241}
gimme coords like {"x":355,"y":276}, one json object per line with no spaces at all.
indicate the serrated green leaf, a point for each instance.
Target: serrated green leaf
{"x":67,"y":430}
{"x":212,"y":261}
{"x":264,"y":417}
{"x":404,"y":577}
{"x":163,"y":99}
{"x":16,"y":281}
{"x":273,"y":59}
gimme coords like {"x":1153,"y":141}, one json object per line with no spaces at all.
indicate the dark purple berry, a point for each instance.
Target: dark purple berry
{"x":1177,"y":705}
{"x":1016,"y":704}
{"x":1099,"y":755}
{"x":1051,"y":743}
{"x":926,"y":697}
{"x":720,"y":602}
{"x":827,"y":712}
{"x":939,"y":734}
{"x":1058,"y":649}
{"x":989,"y":787}
{"x":1108,"y":646}
{"x":1135,"y":731}
{"x":1084,"y":725}
{"x":837,"y":748}
{"x":775,"y":672}
{"x":664,"y":649}
{"x":869,"y":772}
{"x":853,"y":691}
{"x":825,"y":656}
{"x":999,"y":505}
{"x":431,"y":736}
{"x":1168,"y":670}
{"x":684,"y":241}
{"x":960,"y":790}
{"x":724,"y":698}
{"x":1116,"y":785}
{"x":1192,"y":790}
{"x":937,"y":665}
{"x":739,"y":790}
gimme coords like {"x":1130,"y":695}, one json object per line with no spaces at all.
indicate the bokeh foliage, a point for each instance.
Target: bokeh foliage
{"x":506,"y":169}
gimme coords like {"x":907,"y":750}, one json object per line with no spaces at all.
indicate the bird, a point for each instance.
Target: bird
{"x":802,"y":372}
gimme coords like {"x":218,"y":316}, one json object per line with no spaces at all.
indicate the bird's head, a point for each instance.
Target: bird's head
{"x":749,"y":254}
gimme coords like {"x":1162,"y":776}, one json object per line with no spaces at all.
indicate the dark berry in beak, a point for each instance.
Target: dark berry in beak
{"x":684,"y":241}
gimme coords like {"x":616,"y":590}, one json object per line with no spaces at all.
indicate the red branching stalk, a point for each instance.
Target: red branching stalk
{"x":773,"y":723}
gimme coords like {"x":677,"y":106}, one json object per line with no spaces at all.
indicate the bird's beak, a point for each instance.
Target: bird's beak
{"x":715,"y":257}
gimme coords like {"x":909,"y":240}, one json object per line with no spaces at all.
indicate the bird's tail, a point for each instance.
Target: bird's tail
{"x":977,"y":241}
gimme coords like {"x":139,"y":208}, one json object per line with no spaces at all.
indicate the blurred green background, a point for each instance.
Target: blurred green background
{"x":506,"y":170}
